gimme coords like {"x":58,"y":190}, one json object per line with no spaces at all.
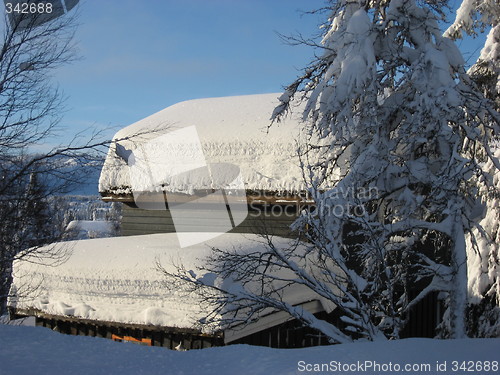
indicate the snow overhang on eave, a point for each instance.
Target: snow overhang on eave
{"x":24,"y":313}
{"x":251,"y":197}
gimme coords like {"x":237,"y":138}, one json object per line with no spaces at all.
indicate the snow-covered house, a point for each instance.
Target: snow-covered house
{"x":206,"y":152}
{"x":199,"y":174}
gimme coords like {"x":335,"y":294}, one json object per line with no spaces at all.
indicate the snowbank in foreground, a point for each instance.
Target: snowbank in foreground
{"x":36,"y":350}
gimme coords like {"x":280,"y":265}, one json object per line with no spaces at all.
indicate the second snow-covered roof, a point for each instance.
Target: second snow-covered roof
{"x":231,"y":131}
{"x":118,"y":280}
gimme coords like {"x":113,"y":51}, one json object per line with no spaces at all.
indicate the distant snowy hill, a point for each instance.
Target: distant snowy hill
{"x":89,"y":186}
{"x":86,"y":176}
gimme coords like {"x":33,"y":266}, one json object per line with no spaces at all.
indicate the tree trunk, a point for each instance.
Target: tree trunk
{"x":458,"y":293}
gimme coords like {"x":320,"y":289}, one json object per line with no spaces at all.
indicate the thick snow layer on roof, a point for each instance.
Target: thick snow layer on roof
{"x":232,"y":130}
{"x":116,"y":279}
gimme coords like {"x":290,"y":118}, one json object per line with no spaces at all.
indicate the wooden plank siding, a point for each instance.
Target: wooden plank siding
{"x":291,"y":334}
{"x":270,"y":219}
{"x":168,"y":337}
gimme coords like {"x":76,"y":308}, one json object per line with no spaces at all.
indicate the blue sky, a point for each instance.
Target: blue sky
{"x":139,"y":57}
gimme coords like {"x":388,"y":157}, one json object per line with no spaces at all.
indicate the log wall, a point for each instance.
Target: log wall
{"x":270,"y":219}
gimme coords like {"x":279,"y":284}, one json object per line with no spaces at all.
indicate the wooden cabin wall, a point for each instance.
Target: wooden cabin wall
{"x":423,"y":322}
{"x":291,"y":334}
{"x":168,"y":337}
{"x":270,"y":219}
{"x":425,"y":316}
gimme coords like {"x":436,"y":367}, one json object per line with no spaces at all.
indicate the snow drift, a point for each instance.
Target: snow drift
{"x":52,"y":353}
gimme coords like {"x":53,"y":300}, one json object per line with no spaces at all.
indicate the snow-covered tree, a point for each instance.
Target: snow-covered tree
{"x":391,"y":94}
{"x":475,"y":17}
{"x":28,"y":222}
{"x":397,"y":135}
{"x":32,"y":45}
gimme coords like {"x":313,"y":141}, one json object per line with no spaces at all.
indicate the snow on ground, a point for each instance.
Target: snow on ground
{"x":231,"y":130}
{"x":28,"y":321}
{"x":37,"y":350}
{"x":116,"y":279}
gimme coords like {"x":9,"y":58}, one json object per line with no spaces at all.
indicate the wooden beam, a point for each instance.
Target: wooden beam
{"x":74,"y":321}
{"x":252,"y":196}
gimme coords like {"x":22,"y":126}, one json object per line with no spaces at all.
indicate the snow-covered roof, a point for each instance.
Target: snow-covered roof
{"x":231,"y":130}
{"x":117,"y":280}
